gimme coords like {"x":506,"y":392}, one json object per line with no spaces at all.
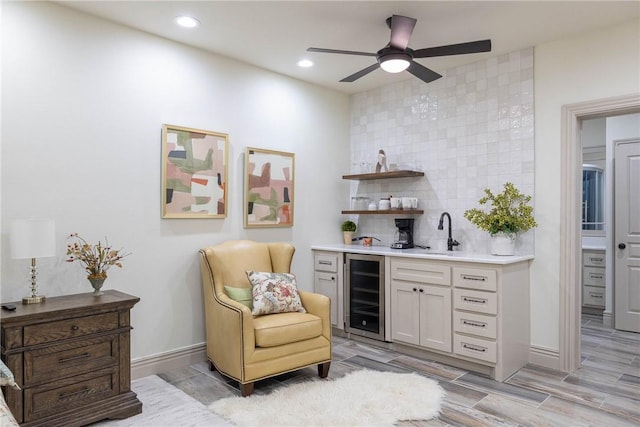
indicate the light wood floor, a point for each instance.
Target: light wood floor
{"x":605,"y":391}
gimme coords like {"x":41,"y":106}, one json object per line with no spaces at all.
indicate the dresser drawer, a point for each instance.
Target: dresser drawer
{"x":478,"y":301}
{"x":595,"y":259}
{"x":477,"y":348}
{"x":475,"y":324}
{"x":60,"y":361}
{"x":63,"y":329}
{"x":592,"y":295}
{"x":593,"y":276}
{"x":475,"y":278}
{"x":69,"y":394}
{"x":326,"y":262}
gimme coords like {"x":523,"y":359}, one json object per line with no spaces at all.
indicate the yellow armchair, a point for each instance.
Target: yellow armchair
{"x":249,"y":348}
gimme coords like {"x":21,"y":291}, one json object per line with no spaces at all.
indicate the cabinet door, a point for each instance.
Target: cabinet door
{"x":327,"y":284}
{"x":405,"y":312}
{"x":435,"y":317}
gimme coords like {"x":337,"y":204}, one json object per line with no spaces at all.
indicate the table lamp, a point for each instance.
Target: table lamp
{"x":33,"y":238}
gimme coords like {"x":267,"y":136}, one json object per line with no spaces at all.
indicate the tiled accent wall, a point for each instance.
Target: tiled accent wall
{"x":467,"y":131}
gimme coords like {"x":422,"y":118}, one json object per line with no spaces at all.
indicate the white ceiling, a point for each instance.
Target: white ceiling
{"x":275,"y":34}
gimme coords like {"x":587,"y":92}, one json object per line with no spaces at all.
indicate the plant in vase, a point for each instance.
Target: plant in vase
{"x":510,"y":214}
{"x":348,"y":228}
{"x":96,"y":259}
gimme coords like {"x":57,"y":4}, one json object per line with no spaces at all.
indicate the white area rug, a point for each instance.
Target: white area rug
{"x":361,"y":398}
{"x":164,"y":405}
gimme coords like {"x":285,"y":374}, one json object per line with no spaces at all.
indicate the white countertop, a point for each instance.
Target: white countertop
{"x":424,"y":254}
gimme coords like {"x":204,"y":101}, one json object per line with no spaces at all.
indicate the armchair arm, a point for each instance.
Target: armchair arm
{"x":319,"y":305}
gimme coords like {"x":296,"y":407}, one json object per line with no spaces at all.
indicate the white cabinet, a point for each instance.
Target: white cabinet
{"x":421,"y":303}
{"x":328,"y":280}
{"x":593,"y":278}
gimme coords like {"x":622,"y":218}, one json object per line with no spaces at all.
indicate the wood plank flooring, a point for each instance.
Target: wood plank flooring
{"x":605,"y":391}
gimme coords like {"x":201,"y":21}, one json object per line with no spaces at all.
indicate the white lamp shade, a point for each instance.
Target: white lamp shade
{"x":33,"y":238}
{"x":394,"y":65}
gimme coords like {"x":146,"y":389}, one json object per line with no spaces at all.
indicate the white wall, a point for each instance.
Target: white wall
{"x":596,"y":65}
{"x":469,"y":130}
{"x":83,"y":105}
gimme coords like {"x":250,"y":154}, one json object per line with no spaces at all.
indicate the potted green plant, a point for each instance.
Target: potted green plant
{"x":509,"y":215}
{"x":348,"y":228}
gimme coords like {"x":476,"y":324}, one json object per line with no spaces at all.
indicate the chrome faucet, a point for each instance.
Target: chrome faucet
{"x":450,"y":241}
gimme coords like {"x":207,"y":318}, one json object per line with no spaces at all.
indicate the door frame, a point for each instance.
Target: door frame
{"x":570,"y":227}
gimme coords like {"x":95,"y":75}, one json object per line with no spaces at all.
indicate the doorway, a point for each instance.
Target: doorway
{"x":571,"y":229}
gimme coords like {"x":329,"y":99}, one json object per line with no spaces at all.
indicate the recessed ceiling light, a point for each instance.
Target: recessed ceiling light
{"x":305,"y":63}
{"x":187,"y":21}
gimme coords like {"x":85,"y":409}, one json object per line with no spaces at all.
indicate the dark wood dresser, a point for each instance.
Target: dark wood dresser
{"x":71,"y":357}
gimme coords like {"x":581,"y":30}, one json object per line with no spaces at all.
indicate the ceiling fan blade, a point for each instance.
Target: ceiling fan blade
{"x":344,"y":52}
{"x":454,"y":49}
{"x":422,"y":72}
{"x":355,"y":76}
{"x":401,"y":29}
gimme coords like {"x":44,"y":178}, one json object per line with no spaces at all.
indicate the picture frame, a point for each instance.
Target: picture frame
{"x":269,"y":188}
{"x":194,"y":173}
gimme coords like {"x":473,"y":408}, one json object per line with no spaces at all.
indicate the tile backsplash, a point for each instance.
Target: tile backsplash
{"x":467,"y":131}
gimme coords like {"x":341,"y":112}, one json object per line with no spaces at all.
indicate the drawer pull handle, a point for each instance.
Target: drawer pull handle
{"x":68,"y":394}
{"x":474,"y":348}
{"x":75,"y":327}
{"x":474,"y":300}
{"x":78,"y":357}
{"x":476,"y":324}
{"x":592,"y":295}
{"x":325,"y":262}
{"x":596,"y":260}
{"x":476,"y":278}
{"x":595,"y":276}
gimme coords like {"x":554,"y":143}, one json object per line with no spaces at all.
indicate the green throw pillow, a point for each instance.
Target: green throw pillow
{"x":242,"y":295}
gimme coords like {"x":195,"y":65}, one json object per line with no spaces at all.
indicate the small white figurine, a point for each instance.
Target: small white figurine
{"x":381,"y":166}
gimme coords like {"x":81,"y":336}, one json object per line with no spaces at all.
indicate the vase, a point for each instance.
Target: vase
{"x":503,"y":244}
{"x":97,"y":282}
{"x":347,"y":236}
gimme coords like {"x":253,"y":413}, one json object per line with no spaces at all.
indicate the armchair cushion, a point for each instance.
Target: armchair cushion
{"x":285,"y":328}
{"x":242,"y":295}
{"x":274,"y":293}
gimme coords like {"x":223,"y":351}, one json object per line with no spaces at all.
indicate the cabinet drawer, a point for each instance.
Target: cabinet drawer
{"x":477,"y":348}
{"x":420,"y":272}
{"x":76,"y":392}
{"x":63,"y":329}
{"x":60,"y":361}
{"x":474,"y":324}
{"x":475,"y":278}
{"x":326,"y":262}
{"x":593,"y":276}
{"x":593,"y":296}
{"x":478,"y":301}
{"x":595,"y":259}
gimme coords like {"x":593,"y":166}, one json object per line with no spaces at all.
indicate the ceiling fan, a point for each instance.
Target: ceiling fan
{"x":397,"y":56}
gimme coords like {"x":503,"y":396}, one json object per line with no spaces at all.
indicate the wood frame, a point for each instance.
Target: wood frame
{"x":269,"y":183}
{"x":194,"y":173}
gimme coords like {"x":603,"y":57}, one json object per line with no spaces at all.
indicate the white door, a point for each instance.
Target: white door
{"x":627,"y":235}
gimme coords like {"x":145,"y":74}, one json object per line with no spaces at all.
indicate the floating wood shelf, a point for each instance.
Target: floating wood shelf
{"x":387,"y":212}
{"x":383,"y":175}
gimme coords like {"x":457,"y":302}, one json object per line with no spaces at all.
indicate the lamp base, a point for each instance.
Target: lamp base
{"x":35,"y":299}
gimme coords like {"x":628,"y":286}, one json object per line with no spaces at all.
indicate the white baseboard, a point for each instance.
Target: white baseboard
{"x":168,"y":361}
{"x":607,"y":319}
{"x":545,"y":357}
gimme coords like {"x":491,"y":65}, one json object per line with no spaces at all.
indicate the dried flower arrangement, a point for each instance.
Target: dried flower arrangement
{"x":97,"y":258}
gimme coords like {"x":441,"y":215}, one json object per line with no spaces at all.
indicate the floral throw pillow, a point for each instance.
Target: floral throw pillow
{"x":274,"y":293}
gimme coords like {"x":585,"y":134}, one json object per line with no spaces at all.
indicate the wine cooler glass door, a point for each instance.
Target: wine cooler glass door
{"x":365,"y":295}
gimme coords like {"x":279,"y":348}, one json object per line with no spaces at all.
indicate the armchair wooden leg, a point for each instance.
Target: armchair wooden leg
{"x":246,"y":389}
{"x":323,"y":369}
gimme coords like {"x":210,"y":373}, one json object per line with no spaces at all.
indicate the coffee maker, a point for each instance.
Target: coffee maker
{"x":404,"y":234}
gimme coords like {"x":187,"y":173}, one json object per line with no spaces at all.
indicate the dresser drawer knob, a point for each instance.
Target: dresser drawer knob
{"x":72,"y":358}
{"x":75,"y":327}
{"x":68,"y":394}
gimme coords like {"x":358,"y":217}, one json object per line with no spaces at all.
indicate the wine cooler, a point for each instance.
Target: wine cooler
{"x":364,"y":287}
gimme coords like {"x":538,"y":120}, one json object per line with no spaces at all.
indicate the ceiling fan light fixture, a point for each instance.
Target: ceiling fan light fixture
{"x":394,"y":63}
